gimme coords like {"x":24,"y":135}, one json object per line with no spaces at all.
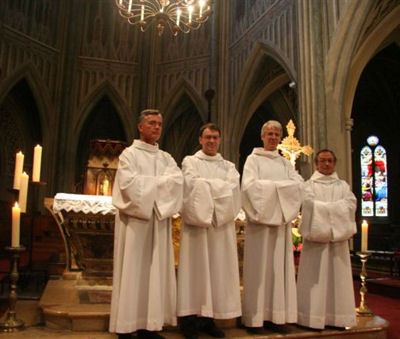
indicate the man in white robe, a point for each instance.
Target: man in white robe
{"x":147,"y":192}
{"x":325,"y":283}
{"x":208,"y":274}
{"x":271,"y":199}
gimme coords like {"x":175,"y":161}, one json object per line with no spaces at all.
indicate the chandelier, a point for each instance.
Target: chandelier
{"x":179,"y":15}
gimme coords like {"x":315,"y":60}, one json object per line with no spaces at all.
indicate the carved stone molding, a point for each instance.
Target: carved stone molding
{"x":267,"y":21}
{"x":378,"y":11}
{"x":35,"y":19}
{"x":19,"y":50}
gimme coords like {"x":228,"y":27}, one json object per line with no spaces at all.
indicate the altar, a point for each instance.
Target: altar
{"x":80,"y":301}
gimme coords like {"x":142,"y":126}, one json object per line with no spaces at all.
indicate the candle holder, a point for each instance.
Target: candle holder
{"x":11,"y":322}
{"x":363,"y":310}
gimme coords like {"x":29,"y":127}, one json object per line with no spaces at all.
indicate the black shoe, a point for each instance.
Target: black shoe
{"x":124,"y":335}
{"x":208,"y":326}
{"x":255,"y":330}
{"x":188,"y":326}
{"x":145,"y":334}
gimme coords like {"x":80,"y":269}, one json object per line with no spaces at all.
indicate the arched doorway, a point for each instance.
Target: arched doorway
{"x":20,"y":130}
{"x":375,"y":111}
{"x":279,"y":106}
{"x":180,"y":136}
{"x":103,"y":122}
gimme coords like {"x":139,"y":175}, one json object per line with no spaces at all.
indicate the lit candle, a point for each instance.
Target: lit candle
{"x":16,"y":217}
{"x":364,"y":236}
{"x":19,"y":164}
{"x":201,"y":4}
{"x":106,"y":183}
{"x":37,"y":161}
{"x":23,"y":192}
{"x":190,"y":9}
{"x":178,"y":16}
{"x":142,"y":14}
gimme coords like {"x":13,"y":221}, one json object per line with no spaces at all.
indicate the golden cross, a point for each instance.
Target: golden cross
{"x":290,"y":146}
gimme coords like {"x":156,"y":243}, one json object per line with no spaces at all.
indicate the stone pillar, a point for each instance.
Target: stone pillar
{"x":348,"y":126}
{"x":71,"y":35}
{"x":221,"y":55}
{"x":312,"y":104}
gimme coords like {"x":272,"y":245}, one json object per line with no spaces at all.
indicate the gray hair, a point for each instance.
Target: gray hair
{"x":271,"y":124}
{"x":147,"y":112}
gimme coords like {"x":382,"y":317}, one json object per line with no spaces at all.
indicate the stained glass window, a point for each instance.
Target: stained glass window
{"x":374,"y":188}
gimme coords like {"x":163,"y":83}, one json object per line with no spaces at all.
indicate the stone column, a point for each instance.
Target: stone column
{"x":348,"y":126}
{"x":221,"y":81}
{"x":312,"y":104}
{"x":71,"y":35}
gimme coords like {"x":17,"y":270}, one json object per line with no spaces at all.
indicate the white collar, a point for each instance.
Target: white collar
{"x":201,"y":155}
{"x":261,"y":151}
{"x":318,"y":176}
{"x":145,"y":146}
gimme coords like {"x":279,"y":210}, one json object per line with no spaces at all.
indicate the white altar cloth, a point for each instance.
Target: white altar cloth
{"x":96,"y":204}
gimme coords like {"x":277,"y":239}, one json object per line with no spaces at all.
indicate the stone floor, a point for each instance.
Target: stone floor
{"x":29,"y":312}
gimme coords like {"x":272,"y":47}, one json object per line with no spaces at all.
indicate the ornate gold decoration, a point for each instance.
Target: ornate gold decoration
{"x":363,"y":310}
{"x":179,"y":15}
{"x":290,"y":146}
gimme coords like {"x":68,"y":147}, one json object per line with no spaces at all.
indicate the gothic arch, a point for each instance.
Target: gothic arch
{"x":182,"y":87}
{"x":345,"y":63}
{"x":264,"y":73}
{"x":104,"y":89}
{"x":39,"y":91}
{"x":184,"y":115}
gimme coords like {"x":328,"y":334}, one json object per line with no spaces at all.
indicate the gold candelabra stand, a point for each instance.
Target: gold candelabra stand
{"x":363,"y":310}
{"x":11,"y":322}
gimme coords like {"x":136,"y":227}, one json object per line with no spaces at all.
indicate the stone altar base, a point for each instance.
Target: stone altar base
{"x":80,"y":305}
{"x":76,"y":305}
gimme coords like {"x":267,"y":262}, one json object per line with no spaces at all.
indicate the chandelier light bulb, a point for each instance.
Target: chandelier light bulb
{"x":178,"y":15}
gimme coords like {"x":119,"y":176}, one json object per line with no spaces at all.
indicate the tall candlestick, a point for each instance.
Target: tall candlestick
{"x":19,"y":164}
{"x":37,"y":161}
{"x":364,"y":236}
{"x":23,"y":191}
{"x":16,"y":218}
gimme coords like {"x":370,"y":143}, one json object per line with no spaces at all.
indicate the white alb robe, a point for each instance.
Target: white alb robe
{"x":325,"y":283}
{"x":208,"y":273}
{"x":271,"y":199}
{"x":147,"y":192}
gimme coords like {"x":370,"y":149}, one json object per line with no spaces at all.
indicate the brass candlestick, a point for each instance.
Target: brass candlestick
{"x":11,"y":323}
{"x":363,"y":310}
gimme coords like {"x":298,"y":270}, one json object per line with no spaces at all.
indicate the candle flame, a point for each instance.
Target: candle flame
{"x":16,"y":204}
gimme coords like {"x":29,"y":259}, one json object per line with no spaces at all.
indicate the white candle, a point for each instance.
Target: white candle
{"x":190,"y":9}
{"x":178,"y":16}
{"x":16,"y":217}
{"x":19,"y":164}
{"x":364,"y":236}
{"x":106,"y":183}
{"x":23,"y":192}
{"x":201,"y":4}
{"x":37,"y":162}
{"x":142,"y":13}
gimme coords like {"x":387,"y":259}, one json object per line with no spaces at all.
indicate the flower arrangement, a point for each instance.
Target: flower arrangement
{"x":296,"y":236}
